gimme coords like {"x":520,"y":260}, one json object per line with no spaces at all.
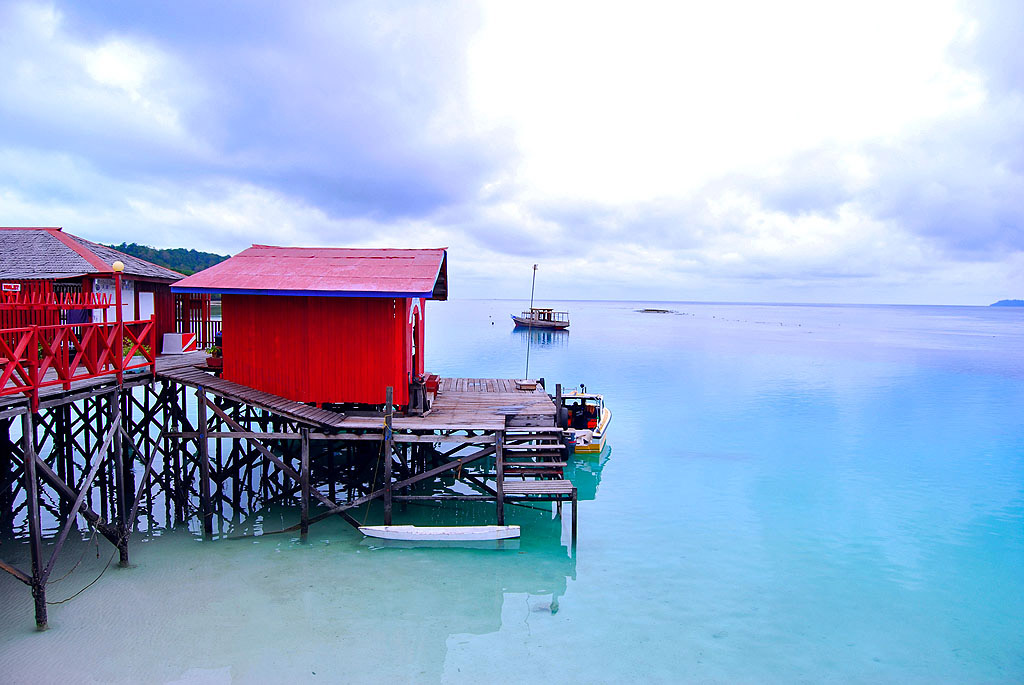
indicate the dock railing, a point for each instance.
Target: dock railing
{"x":37,"y":357}
{"x":206,"y":332}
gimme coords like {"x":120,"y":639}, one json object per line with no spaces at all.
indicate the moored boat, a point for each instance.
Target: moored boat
{"x":585,"y":418}
{"x":541,"y":317}
{"x":441,"y":533}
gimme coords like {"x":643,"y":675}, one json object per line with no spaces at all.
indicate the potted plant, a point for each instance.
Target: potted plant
{"x":215,"y":360}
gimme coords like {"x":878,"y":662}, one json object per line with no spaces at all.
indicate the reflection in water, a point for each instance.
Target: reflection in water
{"x":338,"y":594}
{"x":542,"y":337}
{"x":585,"y":473}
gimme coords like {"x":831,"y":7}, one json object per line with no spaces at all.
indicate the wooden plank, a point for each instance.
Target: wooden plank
{"x":538,"y":487}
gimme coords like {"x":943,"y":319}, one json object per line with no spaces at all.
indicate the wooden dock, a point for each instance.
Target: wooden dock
{"x":201,"y":445}
{"x":484,"y":404}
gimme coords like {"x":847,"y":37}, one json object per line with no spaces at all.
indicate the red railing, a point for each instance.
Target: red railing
{"x":36,"y":357}
{"x":48,"y":301}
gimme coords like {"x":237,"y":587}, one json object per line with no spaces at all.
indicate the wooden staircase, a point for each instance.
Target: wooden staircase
{"x":536,"y":452}
{"x":530,"y":467}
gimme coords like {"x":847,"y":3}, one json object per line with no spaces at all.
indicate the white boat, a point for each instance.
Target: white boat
{"x":442,"y":533}
{"x":542,"y":317}
{"x":585,"y":421}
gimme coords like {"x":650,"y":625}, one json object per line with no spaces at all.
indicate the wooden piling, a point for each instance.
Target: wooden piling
{"x":120,"y":506}
{"x":499,"y":468}
{"x":388,"y":442}
{"x":304,"y":474}
{"x":28,"y":434}
{"x":574,"y":502}
{"x":204,"y":468}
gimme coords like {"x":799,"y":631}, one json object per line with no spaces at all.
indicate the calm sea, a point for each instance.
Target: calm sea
{"x":791,"y":493}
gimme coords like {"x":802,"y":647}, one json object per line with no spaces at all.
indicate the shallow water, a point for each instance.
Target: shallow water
{"x":791,"y":493}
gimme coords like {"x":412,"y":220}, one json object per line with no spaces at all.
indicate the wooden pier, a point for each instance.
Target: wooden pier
{"x":171,"y":435}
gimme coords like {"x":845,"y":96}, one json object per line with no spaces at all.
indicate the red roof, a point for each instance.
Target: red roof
{"x":326,"y":272}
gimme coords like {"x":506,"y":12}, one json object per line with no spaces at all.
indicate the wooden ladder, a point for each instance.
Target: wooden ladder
{"x":536,"y":452}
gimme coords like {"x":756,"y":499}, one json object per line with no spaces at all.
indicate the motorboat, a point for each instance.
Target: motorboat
{"x":584,"y":419}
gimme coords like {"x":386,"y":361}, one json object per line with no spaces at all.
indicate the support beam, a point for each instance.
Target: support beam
{"x":17,"y":573}
{"x":574,"y":502}
{"x":288,"y":470}
{"x":462,"y":461}
{"x":305,"y":481}
{"x":205,"y":505}
{"x":83,"y":489}
{"x":499,"y":467}
{"x":28,"y":437}
{"x":108,"y":531}
{"x":121,"y":492}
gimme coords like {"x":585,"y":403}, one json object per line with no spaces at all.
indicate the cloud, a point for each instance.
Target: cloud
{"x":354,"y":107}
{"x":796,"y":151}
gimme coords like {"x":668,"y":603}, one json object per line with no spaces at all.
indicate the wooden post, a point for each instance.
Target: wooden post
{"x":332,"y":491}
{"x":120,"y":506}
{"x":499,"y":468}
{"x":204,"y":468}
{"x":388,"y":441}
{"x":558,"y":405}
{"x":305,"y":482}
{"x":574,"y":517}
{"x":8,"y":479}
{"x":28,"y":434}
{"x":129,"y":471}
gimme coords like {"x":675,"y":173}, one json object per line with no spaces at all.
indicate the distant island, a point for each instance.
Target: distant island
{"x":1008,"y":303}
{"x":179,"y":259}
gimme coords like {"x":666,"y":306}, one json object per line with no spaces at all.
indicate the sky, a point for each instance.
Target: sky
{"x":849,"y":152}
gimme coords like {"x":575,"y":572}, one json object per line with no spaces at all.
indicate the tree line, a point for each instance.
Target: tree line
{"x":176,"y":258}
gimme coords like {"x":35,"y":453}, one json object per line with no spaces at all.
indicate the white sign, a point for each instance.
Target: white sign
{"x":105,"y":286}
{"x":12,"y":287}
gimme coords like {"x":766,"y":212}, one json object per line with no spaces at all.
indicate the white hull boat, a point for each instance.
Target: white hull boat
{"x":441,"y":533}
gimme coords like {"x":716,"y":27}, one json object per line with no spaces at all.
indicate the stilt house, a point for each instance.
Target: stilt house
{"x":324,"y":325}
{"x":50,"y":277}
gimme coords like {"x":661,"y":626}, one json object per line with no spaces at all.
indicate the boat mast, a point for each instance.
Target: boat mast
{"x":529,"y":329}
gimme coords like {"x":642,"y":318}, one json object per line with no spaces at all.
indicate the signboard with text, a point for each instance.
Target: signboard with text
{"x":105,"y":286}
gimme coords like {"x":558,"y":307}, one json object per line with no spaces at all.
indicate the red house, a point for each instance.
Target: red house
{"x":324,"y":325}
{"x":41,"y":268}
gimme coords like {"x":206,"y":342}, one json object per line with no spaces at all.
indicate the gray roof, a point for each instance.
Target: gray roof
{"x":29,"y":253}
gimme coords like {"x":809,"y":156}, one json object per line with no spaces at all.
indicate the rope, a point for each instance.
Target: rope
{"x":81,"y":558}
{"x":68,"y":599}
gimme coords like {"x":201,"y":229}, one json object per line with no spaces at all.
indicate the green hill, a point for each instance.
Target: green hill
{"x":177,"y":258}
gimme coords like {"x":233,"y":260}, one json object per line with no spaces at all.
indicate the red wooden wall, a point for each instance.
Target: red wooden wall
{"x":320,"y":349}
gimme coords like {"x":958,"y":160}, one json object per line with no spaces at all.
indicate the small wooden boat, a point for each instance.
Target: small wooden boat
{"x":441,"y":533}
{"x":585,"y":421}
{"x":541,"y":317}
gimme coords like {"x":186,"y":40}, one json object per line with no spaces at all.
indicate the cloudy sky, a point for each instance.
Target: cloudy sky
{"x":744,"y":151}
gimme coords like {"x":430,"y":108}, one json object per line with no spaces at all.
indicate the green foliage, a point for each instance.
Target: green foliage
{"x":214,"y":351}
{"x":127,"y":344}
{"x":178,"y":258}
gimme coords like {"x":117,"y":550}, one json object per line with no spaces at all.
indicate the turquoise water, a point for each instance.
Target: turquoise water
{"x":792,"y":493}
